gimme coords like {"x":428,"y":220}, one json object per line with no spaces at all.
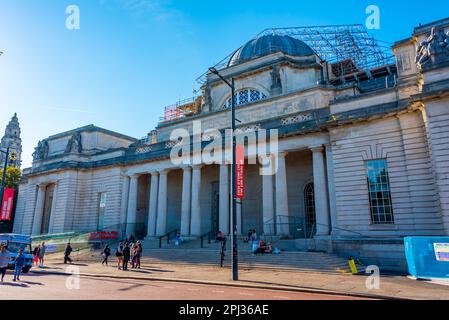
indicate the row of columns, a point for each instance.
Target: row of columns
{"x":275,"y":199}
{"x":157,"y":207}
{"x":276,"y":212}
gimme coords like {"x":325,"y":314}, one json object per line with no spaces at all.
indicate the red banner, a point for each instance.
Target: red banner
{"x":7,"y":202}
{"x":240,"y":171}
{"x":103,"y":235}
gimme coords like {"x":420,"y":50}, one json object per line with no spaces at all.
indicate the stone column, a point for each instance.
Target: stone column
{"x":53,"y":209}
{"x":152,"y":206}
{"x":223,"y":220}
{"x":281,"y":196}
{"x":132,"y":205}
{"x":124,"y":203}
{"x":39,"y":210}
{"x":195,"y":227}
{"x":161,"y":224}
{"x":331,"y":188}
{"x":186,"y":197}
{"x":319,"y":185}
{"x":268,"y":204}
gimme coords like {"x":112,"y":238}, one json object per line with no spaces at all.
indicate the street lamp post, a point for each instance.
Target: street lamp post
{"x":235,"y":265}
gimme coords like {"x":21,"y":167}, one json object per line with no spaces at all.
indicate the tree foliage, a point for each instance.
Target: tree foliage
{"x":12,"y":177}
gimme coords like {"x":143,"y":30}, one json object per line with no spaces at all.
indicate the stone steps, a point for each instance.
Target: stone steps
{"x":295,"y":261}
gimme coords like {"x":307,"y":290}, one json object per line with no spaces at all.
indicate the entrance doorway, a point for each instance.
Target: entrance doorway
{"x":215,"y":208}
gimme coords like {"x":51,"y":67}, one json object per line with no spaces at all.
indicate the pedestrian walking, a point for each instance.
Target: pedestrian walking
{"x":5,"y":257}
{"x":20,"y":262}
{"x":42,"y":254}
{"x":133,"y":256}
{"x":36,"y":255}
{"x":126,"y":257}
{"x":138,"y":254}
{"x":119,"y":255}
{"x":67,"y":252}
{"x":106,"y":254}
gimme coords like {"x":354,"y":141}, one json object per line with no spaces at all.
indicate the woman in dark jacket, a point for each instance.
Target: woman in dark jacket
{"x":106,"y":254}
{"x":126,"y":257}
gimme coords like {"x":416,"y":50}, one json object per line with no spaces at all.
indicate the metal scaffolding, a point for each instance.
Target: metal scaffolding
{"x":347,"y":48}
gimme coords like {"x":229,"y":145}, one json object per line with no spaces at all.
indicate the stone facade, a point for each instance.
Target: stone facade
{"x":329,"y":134}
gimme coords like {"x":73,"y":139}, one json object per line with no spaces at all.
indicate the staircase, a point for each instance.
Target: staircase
{"x":189,"y":252}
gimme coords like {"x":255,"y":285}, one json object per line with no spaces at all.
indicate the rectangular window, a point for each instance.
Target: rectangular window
{"x":101,"y":210}
{"x":379,"y":191}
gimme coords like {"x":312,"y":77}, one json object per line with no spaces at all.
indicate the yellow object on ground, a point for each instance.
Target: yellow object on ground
{"x":352,"y":266}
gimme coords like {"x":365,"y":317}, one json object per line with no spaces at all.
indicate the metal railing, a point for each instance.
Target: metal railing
{"x":208,"y":234}
{"x":168,"y":237}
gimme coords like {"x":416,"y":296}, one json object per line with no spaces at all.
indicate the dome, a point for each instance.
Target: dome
{"x":269,"y":44}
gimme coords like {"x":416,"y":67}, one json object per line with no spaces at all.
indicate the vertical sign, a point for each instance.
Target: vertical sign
{"x":240,"y":171}
{"x":7,"y":202}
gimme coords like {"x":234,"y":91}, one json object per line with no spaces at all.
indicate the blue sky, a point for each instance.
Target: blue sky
{"x":130,"y":58}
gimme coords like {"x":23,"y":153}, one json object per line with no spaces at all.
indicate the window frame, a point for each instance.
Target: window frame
{"x":381,"y":208}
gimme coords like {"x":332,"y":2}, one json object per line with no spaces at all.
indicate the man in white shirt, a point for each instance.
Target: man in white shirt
{"x":5,"y":257}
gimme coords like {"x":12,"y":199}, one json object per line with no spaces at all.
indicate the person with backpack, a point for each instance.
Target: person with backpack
{"x":106,"y":254}
{"x":119,"y":255}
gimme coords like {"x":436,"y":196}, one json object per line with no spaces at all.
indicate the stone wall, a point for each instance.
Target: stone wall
{"x":402,"y":141}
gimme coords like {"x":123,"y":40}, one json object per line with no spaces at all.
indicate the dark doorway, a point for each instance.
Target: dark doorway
{"x":309,"y":206}
{"x":47,"y":209}
{"x":215,"y":207}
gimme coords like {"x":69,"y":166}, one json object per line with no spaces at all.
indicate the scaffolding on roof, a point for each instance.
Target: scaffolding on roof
{"x":348,"y":48}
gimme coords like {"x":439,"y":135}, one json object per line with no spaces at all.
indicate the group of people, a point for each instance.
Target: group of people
{"x":5,"y":257}
{"x":39,"y":255}
{"x":251,"y":236}
{"x":125,"y":253}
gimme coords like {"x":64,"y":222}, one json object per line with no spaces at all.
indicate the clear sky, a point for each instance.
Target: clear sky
{"x":130,"y":58}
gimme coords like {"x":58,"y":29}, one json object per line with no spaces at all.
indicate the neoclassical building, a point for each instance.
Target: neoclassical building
{"x":362,"y":158}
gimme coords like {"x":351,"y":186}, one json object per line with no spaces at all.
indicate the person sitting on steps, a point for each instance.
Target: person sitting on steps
{"x":220,"y":236}
{"x":262,"y":247}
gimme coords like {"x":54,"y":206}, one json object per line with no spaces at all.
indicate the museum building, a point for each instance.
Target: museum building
{"x":362,"y":158}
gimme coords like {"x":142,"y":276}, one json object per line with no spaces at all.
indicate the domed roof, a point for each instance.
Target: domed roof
{"x":269,"y":44}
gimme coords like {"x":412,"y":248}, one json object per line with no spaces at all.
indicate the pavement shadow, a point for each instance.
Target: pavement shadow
{"x":70,"y":264}
{"x":15,"y":284}
{"x":153,"y":269}
{"x":33,"y":283}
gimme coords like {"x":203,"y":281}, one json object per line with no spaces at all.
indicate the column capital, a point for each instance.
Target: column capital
{"x":153,"y":173}
{"x":42,"y":185}
{"x":317,"y":149}
{"x":186,"y":168}
{"x":282,"y":154}
{"x":134,"y":175}
{"x":197,"y":166}
{"x":164,"y":171}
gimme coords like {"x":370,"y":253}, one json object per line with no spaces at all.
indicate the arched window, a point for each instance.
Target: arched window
{"x":309,"y":207}
{"x":245,"y":96}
